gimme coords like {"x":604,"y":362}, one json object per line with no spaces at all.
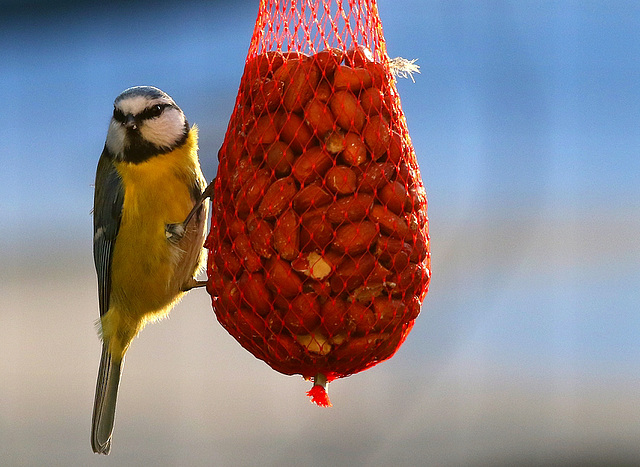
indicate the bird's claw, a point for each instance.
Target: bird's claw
{"x":193,"y":284}
{"x":205,"y":194}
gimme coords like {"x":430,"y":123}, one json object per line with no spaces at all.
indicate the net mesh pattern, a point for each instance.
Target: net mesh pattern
{"x":319,"y":249}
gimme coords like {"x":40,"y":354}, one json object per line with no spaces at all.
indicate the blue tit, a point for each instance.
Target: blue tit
{"x":150,"y":220}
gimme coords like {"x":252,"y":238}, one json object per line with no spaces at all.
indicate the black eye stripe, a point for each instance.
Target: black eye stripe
{"x":153,"y":111}
{"x":119,"y":116}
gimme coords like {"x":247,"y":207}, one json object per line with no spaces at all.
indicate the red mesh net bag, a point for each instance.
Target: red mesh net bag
{"x":319,"y":248}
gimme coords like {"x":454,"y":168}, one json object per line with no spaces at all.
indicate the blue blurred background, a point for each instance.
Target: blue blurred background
{"x":525,"y":119}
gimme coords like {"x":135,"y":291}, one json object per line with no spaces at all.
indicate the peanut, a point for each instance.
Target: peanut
{"x":248,"y":257}
{"x":277,"y":198}
{"x":311,"y":197}
{"x":352,"y":79}
{"x":315,"y":343}
{"x":253,"y":191}
{"x":300,"y":85}
{"x":286,"y":235}
{"x":266,"y":94}
{"x":390,"y":223}
{"x":295,"y":131}
{"x":249,"y":325}
{"x":335,"y":142}
{"x":282,"y":279}
{"x":318,"y":116}
{"x":393,"y":252}
{"x":284,"y":349}
{"x":264,"y":131}
{"x":352,"y":273}
{"x":303,"y":315}
{"x":354,"y":239}
{"x":351,"y":208}
{"x":395,"y":150}
{"x":374,"y":176}
{"x":312,"y":165}
{"x":315,"y":265}
{"x":358,"y":350}
{"x":328,"y":60}
{"x":354,"y":152}
{"x":255,"y":293}
{"x":335,"y":317}
{"x":371,"y":100}
{"x":280,"y":158}
{"x":395,"y":197}
{"x":261,"y":236}
{"x":227,"y":261}
{"x":358,"y":56}
{"x":316,"y":231}
{"x":377,"y":136}
{"x":341,"y":180}
{"x":324,"y":91}
{"x":347,"y":110}
{"x":388,"y":312}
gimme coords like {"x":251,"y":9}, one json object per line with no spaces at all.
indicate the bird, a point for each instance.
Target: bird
{"x":150,"y":222}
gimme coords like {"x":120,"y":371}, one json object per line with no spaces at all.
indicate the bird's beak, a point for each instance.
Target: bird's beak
{"x":130,"y":123}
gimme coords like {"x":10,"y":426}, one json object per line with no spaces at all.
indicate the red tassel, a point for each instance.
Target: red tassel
{"x":318,"y":393}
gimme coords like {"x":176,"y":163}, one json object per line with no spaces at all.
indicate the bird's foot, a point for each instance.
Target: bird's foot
{"x":205,"y":194}
{"x":193,"y":284}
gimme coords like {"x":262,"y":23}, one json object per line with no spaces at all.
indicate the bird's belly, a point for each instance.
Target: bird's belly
{"x":143,"y":270}
{"x":146,"y":264}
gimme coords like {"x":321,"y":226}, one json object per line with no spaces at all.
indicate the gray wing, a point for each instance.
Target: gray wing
{"x":107,"y":213}
{"x":197,"y":191}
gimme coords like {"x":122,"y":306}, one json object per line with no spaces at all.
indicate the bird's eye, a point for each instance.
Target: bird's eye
{"x":152,"y":112}
{"x":156,"y":110}
{"x":118,"y":115}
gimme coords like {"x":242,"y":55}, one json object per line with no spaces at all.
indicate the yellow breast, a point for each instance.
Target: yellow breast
{"x":157,"y":192}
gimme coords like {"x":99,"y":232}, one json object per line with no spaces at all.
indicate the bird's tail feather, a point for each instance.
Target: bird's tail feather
{"x":104,"y":406}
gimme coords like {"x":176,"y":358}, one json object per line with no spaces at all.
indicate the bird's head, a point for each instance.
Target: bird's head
{"x":146,"y":122}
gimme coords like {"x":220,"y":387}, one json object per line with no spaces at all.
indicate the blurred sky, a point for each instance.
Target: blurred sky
{"x":525,"y":119}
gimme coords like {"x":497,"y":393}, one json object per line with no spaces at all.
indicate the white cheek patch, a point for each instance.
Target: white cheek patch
{"x":116,"y":137}
{"x":164,"y":131}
